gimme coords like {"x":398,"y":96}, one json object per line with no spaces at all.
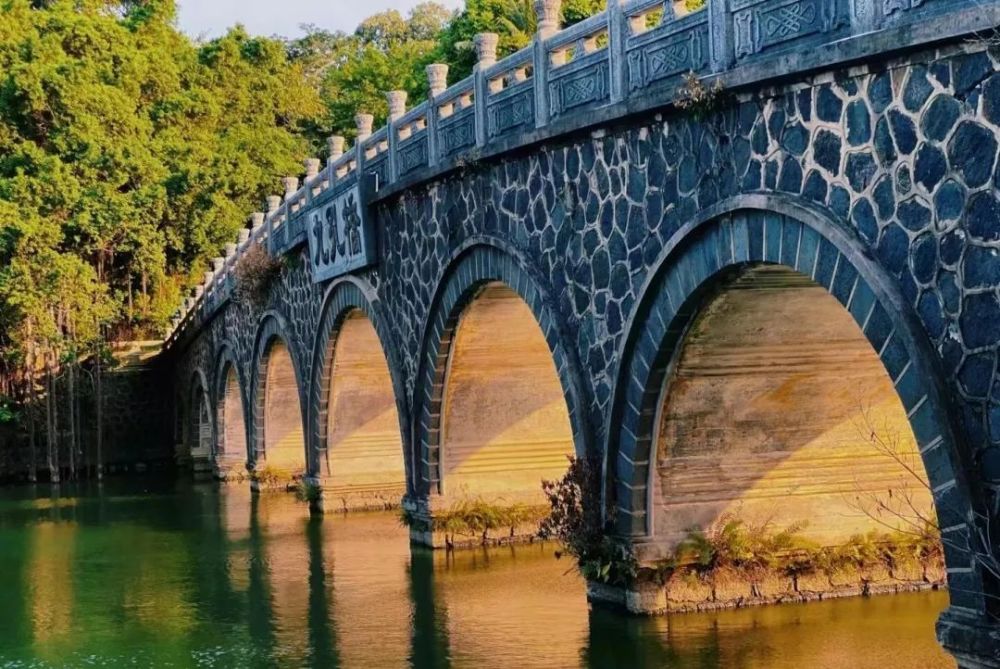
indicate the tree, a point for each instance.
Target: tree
{"x":128,"y":156}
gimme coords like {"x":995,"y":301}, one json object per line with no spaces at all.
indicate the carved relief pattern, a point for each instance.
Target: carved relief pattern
{"x":766,"y":24}
{"x":413,"y":155}
{"x":580,"y":88}
{"x":512,"y":112}
{"x":458,"y":135}
{"x":677,"y":54}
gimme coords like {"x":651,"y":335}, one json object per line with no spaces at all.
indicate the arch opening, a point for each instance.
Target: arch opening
{"x":361,"y":449}
{"x":283,"y":442}
{"x":200,"y":446}
{"x":231,"y":450}
{"x":777,"y":412}
{"x":505,"y":423}
{"x":736,"y":236}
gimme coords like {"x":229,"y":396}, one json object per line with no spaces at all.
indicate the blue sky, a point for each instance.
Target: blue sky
{"x":210,"y":18}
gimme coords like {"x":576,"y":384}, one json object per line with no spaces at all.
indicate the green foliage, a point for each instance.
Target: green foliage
{"x":478,"y":518}
{"x":513,"y":20}
{"x":128,"y":157}
{"x":270,"y":476}
{"x":353,"y":72}
{"x":731,"y":544}
{"x":575,"y":520}
{"x":7,"y":413}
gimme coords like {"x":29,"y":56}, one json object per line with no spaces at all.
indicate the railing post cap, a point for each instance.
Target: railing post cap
{"x":291,"y":185}
{"x":335,"y":143}
{"x":486,"y":48}
{"x":312,"y":167}
{"x":363,"y":122}
{"x":244,"y":236}
{"x":273,"y":203}
{"x":397,"y":104}
{"x":256,"y":219}
{"x":548,"y":12}
{"x":437,"y":78}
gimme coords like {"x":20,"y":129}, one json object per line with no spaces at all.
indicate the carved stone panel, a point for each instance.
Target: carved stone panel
{"x":667,"y":56}
{"x":585,"y":85}
{"x":511,"y":112}
{"x":762,"y":24}
{"x":413,"y":154}
{"x":457,"y":132}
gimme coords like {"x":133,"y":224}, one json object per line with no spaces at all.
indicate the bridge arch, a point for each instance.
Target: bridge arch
{"x":200,"y":423}
{"x":231,"y":425}
{"x":485,"y":263}
{"x":761,"y":229}
{"x":277,"y":433}
{"x":354,"y":333}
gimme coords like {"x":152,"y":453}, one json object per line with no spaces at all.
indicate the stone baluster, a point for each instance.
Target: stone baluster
{"x":617,"y":38}
{"x":363,"y":122}
{"x":547,"y":13}
{"x":312,"y":168}
{"x":291,"y":188}
{"x":721,"y":48}
{"x":273,"y":205}
{"x":437,"y":83}
{"x":397,"y":107}
{"x":335,"y":145}
{"x":437,"y":78}
{"x":486,"y":54}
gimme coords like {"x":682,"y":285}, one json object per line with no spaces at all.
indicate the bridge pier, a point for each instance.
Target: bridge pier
{"x":327,"y":494}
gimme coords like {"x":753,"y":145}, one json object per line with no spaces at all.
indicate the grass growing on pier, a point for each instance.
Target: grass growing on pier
{"x":477,"y":519}
{"x":754,"y":552}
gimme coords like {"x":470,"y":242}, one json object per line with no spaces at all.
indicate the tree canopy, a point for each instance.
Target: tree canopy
{"x":128,"y":156}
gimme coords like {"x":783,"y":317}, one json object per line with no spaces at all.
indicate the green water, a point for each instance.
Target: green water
{"x":190,"y":576}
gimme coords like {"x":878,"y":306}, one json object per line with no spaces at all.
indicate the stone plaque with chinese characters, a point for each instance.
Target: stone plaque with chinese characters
{"x":341,"y":234}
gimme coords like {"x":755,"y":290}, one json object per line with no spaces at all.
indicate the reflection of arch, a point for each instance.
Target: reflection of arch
{"x":231,"y":427}
{"x":479,"y":262}
{"x":778,"y":230}
{"x":345,"y":300}
{"x":276,"y":368}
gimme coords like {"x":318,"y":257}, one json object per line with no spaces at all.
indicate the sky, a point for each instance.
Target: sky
{"x":210,"y":18}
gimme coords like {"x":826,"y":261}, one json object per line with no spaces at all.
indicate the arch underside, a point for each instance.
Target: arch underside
{"x":231,"y":452}
{"x":777,"y":411}
{"x":498,"y":393}
{"x":283,"y":444}
{"x":505,"y":423}
{"x":784,"y":423}
{"x":361,"y":449}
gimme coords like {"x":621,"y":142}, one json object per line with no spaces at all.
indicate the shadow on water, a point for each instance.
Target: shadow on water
{"x":163,"y":575}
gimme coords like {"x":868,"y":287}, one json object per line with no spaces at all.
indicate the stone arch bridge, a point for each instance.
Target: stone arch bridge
{"x":711,"y":299}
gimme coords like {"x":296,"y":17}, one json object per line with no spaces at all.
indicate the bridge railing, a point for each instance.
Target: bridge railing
{"x":631,"y":57}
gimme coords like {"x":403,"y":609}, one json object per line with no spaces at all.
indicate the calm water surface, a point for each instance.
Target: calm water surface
{"x":192,"y":576}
